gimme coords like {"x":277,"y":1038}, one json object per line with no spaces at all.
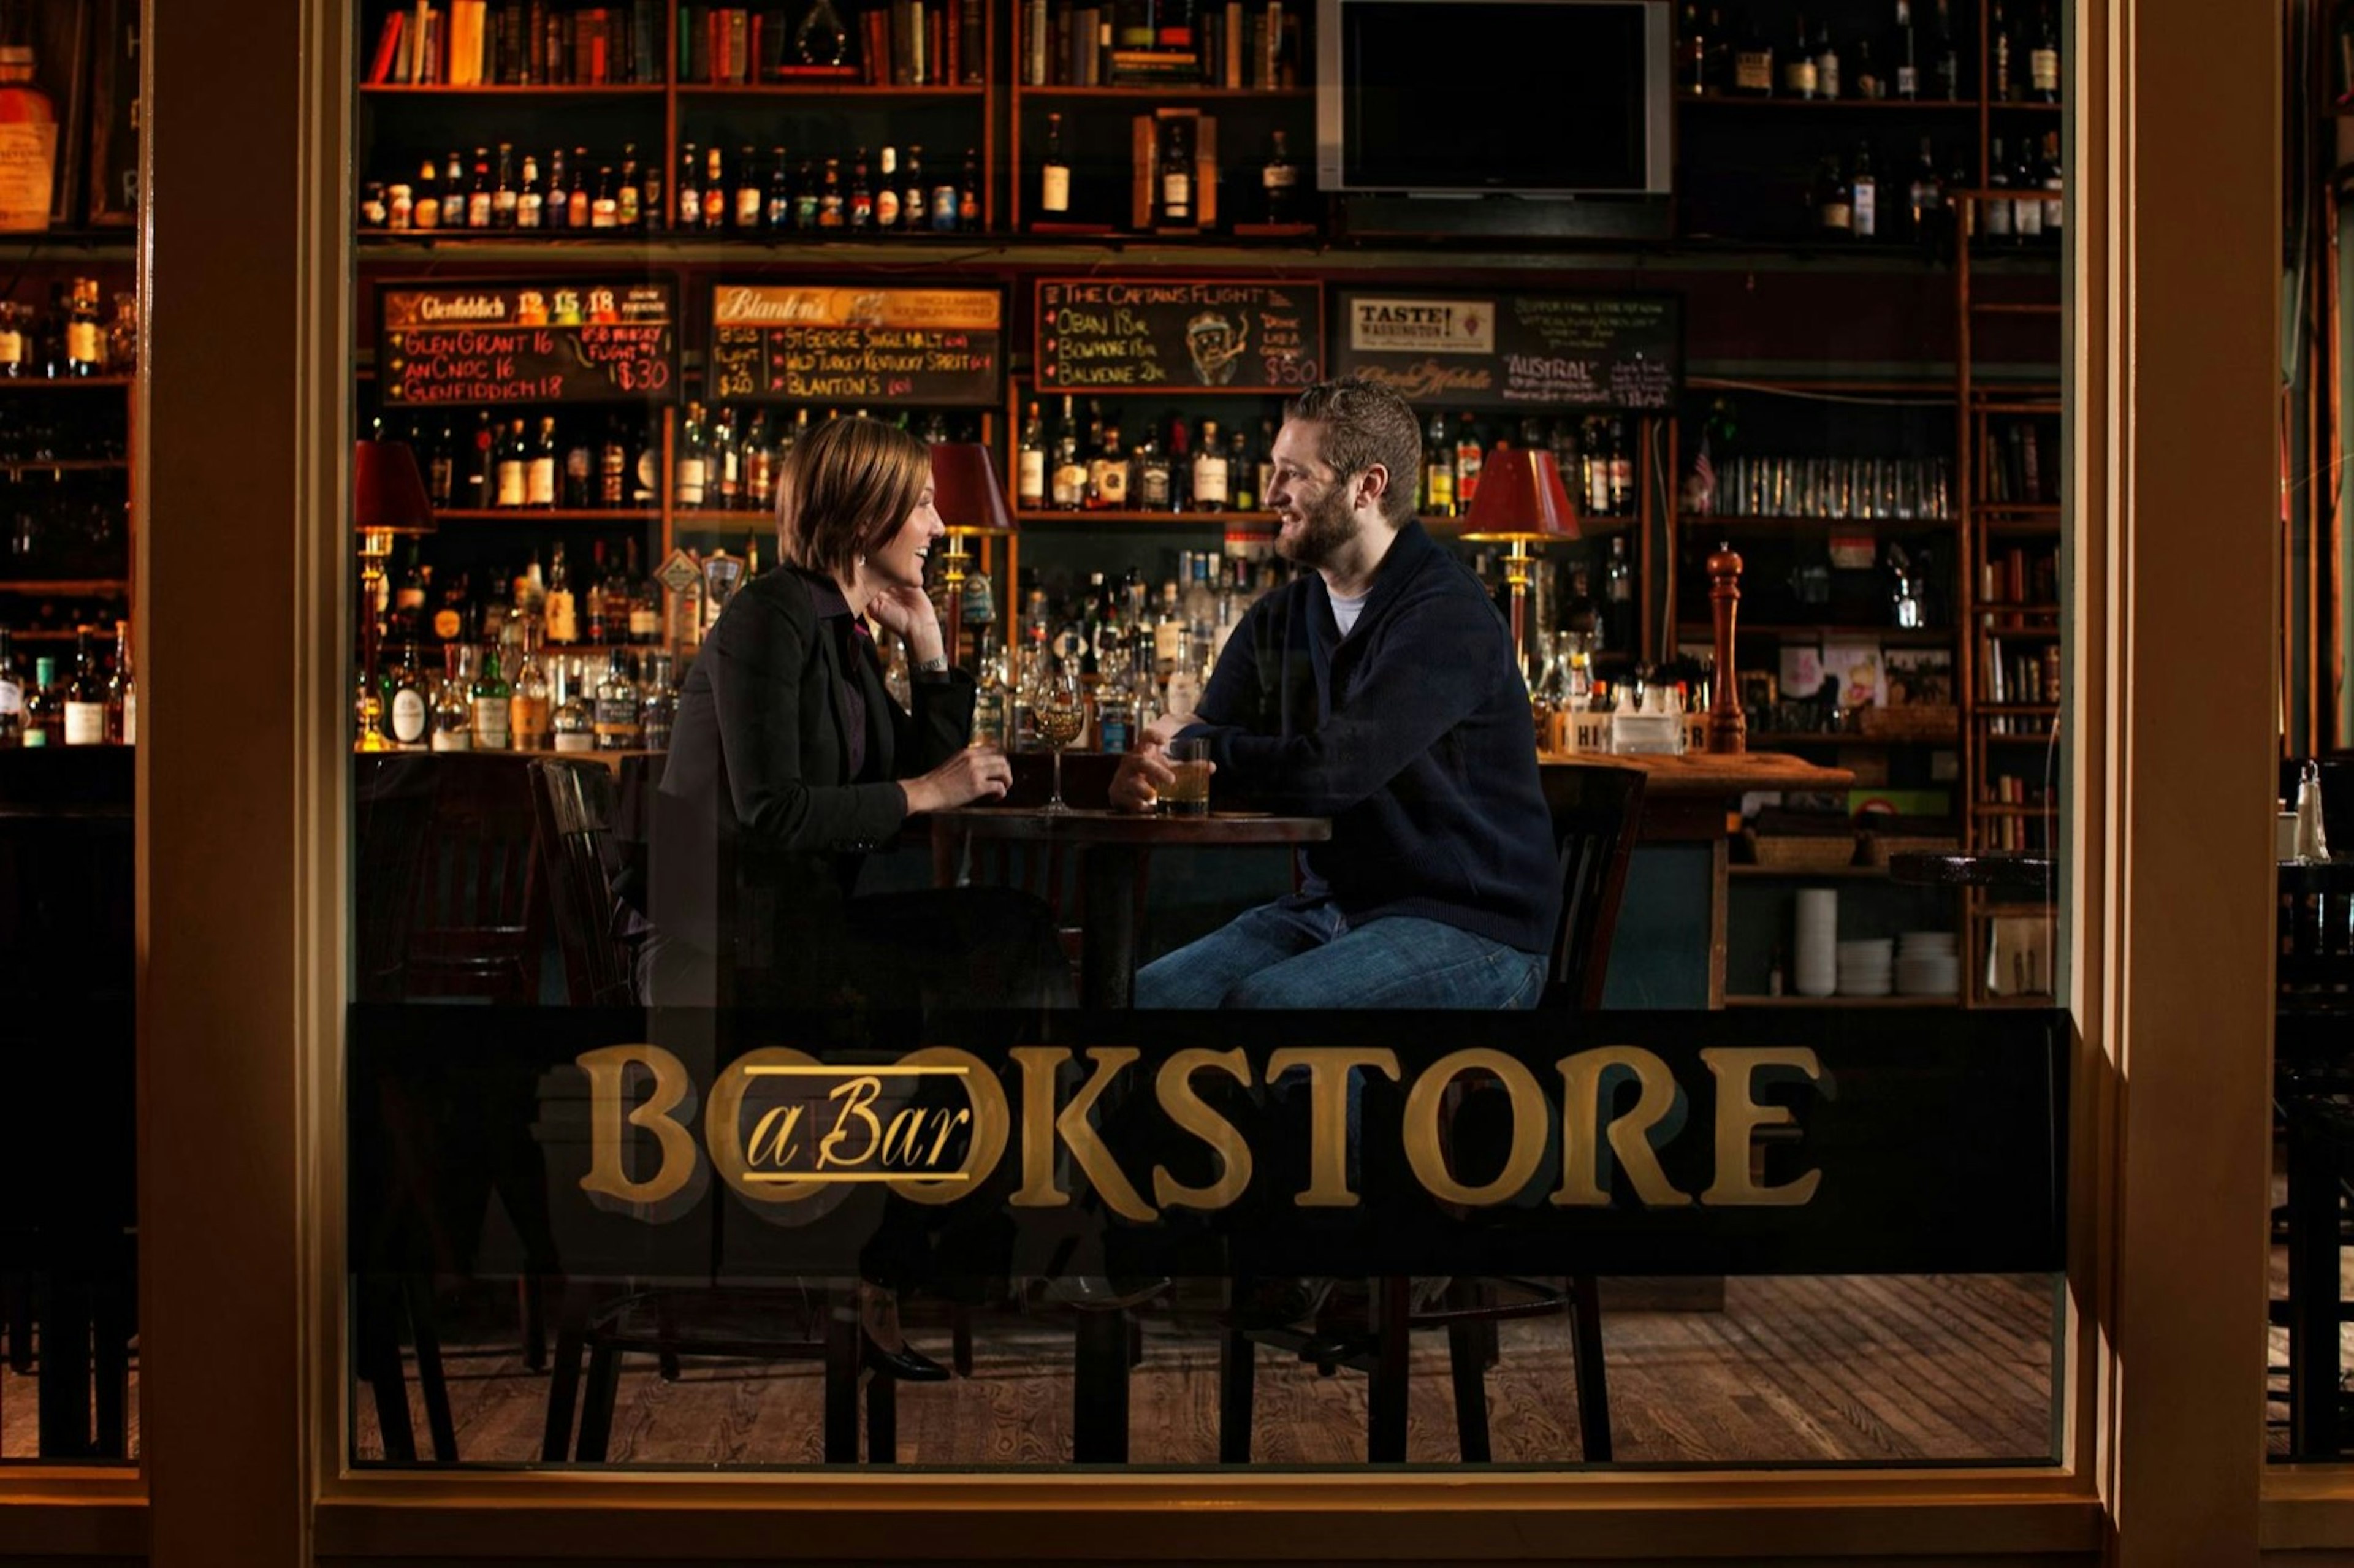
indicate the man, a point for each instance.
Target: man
{"x":1380,"y":689}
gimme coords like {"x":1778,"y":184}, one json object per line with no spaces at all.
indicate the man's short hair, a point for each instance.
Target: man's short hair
{"x":1366,"y":423}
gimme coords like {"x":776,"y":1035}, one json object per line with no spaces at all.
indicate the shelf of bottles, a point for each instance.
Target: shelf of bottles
{"x":1792,"y":118}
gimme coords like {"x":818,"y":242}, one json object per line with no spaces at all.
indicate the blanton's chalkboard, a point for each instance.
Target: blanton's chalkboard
{"x":1518,"y":351}
{"x":928,"y":346}
{"x":527,"y":343}
{"x":1147,"y":334}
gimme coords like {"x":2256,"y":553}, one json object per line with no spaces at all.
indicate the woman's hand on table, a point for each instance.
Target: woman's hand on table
{"x":909,"y":611}
{"x":976,"y":773}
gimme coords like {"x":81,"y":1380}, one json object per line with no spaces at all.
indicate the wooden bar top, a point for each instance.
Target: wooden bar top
{"x":1712,"y":773}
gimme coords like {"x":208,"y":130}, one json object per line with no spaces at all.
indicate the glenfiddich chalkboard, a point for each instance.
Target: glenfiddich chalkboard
{"x":527,"y":343}
{"x":928,"y":346}
{"x":1518,"y":351}
{"x":1146,"y":334}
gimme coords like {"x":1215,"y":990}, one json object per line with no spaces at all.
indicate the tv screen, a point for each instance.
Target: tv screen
{"x":1529,"y":96}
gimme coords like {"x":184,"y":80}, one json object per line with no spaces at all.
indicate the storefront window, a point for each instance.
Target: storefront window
{"x":1573,"y":983}
{"x":70,"y":338}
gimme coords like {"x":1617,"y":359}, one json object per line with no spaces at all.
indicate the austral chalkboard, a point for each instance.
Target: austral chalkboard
{"x":527,"y":343}
{"x":1149,"y":334}
{"x":867,"y":346}
{"x":1518,"y":351}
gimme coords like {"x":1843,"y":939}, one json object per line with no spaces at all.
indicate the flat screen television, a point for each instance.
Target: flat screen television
{"x":1535,"y":98}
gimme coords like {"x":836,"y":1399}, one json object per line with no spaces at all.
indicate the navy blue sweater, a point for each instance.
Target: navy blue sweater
{"x":1412,"y":734}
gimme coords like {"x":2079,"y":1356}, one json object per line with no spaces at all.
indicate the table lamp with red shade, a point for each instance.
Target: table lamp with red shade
{"x":970,"y":500}
{"x":1520,"y":501}
{"x":388,"y":501}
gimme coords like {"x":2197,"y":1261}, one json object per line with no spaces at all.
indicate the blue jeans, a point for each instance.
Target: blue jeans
{"x":1278,"y":956}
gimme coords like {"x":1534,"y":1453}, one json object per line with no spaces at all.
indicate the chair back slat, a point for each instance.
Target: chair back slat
{"x":576,"y":805}
{"x":1595,"y":812}
{"x":479,"y":916}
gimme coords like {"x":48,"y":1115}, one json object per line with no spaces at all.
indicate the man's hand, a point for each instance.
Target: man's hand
{"x":1163,"y":730}
{"x":1143,"y":774}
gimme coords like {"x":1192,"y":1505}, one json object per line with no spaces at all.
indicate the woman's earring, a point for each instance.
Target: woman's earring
{"x":862,"y":559}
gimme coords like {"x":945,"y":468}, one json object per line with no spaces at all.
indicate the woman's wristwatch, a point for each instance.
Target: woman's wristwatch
{"x":937,"y":664}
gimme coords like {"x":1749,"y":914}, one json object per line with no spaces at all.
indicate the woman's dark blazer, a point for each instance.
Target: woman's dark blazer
{"x":759,"y":828}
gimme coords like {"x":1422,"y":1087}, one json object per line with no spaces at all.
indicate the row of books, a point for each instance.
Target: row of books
{"x":516,"y":43}
{"x":2020,"y":576}
{"x":1238,"y":44}
{"x":2021,"y":677}
{"x":2015,"y":472}
{"x":897,"y":43}
{"x":2014,"y":835}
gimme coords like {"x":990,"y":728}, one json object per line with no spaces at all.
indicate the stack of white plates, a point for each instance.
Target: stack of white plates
{"x":1864,"y":967}
{"x":1927,"y":965}
{"x":1817,"y":972}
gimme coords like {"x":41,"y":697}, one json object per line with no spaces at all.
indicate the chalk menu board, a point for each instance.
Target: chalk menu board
{"x":1160,"y":334}
{"x":1517,"y":351}
{"x":526,"y":343}
{"x":927,"y":347}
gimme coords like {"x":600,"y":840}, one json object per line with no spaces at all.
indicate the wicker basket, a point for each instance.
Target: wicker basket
{"x":1804,"y":853}
{"x":1925,"y":721}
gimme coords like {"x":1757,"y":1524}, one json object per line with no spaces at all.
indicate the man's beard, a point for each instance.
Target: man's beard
{"x":1325,"y":528}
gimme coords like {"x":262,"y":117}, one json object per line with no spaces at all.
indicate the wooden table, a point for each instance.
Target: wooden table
{"x":1113,"y":846}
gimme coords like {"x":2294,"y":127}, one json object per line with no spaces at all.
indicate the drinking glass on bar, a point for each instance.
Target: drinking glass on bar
{"x":1059,"y":710}
{"x":1188,"y":795}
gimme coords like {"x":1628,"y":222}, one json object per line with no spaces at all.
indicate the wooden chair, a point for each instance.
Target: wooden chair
{"x":575,"y":803}
{"x":479,"y":921}
{"x":1595,"y":812}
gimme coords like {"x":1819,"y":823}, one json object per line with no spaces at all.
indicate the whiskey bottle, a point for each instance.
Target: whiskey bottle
{"x":478,"y":195}
{"x":85,"y":695}
{"x":690,"y":190}
{"x":1798,"y":77}
{"x":2027,"y":213}
{"x":1925,"y":200}
{"x":123,"y":691}
{"x":579,"y":201}
{"x":714,"y":191}
{"x":748,"y":195}
{"x":1944,"y":57}
{"x":502,"y":193}
{"x":1030,"y":465}
{"x":539,"y":475}
{"x":1997,"y":206}
{"x":1176,"y":177}
{"x":911,"y":196}
{"x":530,"y":714}
{"x":85,"y":334}
{"x":1827,"y":63}
{"x":1469,"y":460}
{"x":628,"y":200}
{"x":2002,"y":84}
{"x":2055,"y":208}
{"x":862,"y":194}
{"x":1753,"y":64}
{"x":512,"y":460}
{"x":1240,"y":472}
{"x":573,"y":721}
{"x":657,"y":704}
{"x":556,"y":208}
{"x":2043,"y":61}
{"x":692,"y":466}
{"x":887,"y":191}
{"x":1621,"y":471}
{"x":778,"y":214}
{"x":1438,"y":470}
{"x":1054,"y":175}
{"x":645,"y":602}
{"x":44,"y":706}
{"x":617,"y":723}
{"x":453,"y":700}
{"x":1278,"y":180}
{"x":493,"y":719}
{"x":561,"y":611}
{"x":1863,"y":193}
{"x":1210,"y":475}
{"x":830,"y":207}
{"x":605,"y":208}
{"x":968,"y":202}
{"x":1908,"y":70}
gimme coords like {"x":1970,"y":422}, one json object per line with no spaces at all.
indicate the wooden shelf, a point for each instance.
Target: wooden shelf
{"x":513,"y":90}
{"x":1888,"y":636}
{"x":1722,"y":522}
{"x":2016,"y":710}
{"x":59,"y":383}
{"x":1761,"y":740}
{"x":64,"y":465}
{"x":1177,"y":519}
{"x":1825,"y":105}
{"x":1843,"y":1001}
{"x":824,"y":88}
{"x":543,"y":514}
{"x":1997,"y":808}
{"x":1799,"y":873}
{"x":2041,"y":738}
{"x":1174,"y":92}
{"x":68,"y":586}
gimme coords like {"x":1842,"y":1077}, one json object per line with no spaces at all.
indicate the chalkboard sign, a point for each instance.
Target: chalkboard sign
{"x":1518,"y":351}
{"x":923,"y":346}
{"x":528,"y":342}
{"x":1149,"y":334}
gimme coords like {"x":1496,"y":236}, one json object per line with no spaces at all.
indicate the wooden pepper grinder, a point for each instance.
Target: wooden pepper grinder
{"x":1728,"y":726}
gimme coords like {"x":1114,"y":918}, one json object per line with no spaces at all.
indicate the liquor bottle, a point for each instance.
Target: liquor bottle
{"x":2055,"y":207}
{"x":29,"y":139}
{"x":1863,"y":193}
{"x":502,"y":190}
{"x":409,"y":710}
{"x":1264,"y":480}
{"x":1054,"y":175}
{"x":1753,"y":64}
{"x":478,"y":195}
{"x":724,"y":464}
{"x":1870,"y":84}
{"x":629,"y":197}
{"x":1240,"y":474}
{"x":572,"y":721}
{"x":862,"y":194}
{"x":620,"y":580}
{"x":453,"y":713}
{"x":1716,"y":66}
{"x":1210,"y":476}
{"x":425,"y":206}
{"x":1278,"y":180}
{"x":531,"y":203}
{"x":511,"y":462}
{"x":2002,"y":82}
{"x":1153,"y":475}
{"x":539,"y":473}
{"x":1117,"y":705}
{"x":1691,"y":55}
{"x":1621,"y":474}
{"x":44,"y":706}
{"x":493,"y":721}
{"x":2043,"y":61}
{"x":690,"y":190}
{"x":967,"y":206}
{"x":1108,"y":473}
{"x":1438,"y":470}
{"x":657,"y":704}
{"x":830,"y":208}
{"x":1181,"y":464}
{"x":592,"y":599}
{"x":122,"y":693}
{"x":1998,"y":224}
{"x":694,"y":466}
{"x":1176,"y":177}
{"x":556,"y":209}
{"x":1944,"y":57}
{"x":714,"y":191}
{"x":1908,"y":70}
{"x":886,"y":192}
{"x":1798,"y":77}
{"x":560,"y":609}
{"x":1827,"y":63}
{"x":991,"y":702}
{"x":1067,"y":481}
{"x":85,"y":334}
{"x":645,"y":603}
{"x":531,"y":715}
{"x":749,"y":203}
{"x":617,"y":723}
{"x":576,"y":214}
{"x":1925,"y":200}
{"x":778,"y":213}
{"x":1030,"y":465}
{"x":2027,"y":212}
{"x":911,"y":197}
{"x":12,"y":695}
{"x":1619,"y":597}
{"x":1468,"y":458}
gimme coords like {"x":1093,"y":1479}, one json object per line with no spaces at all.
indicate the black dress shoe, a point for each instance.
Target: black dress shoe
{"x":907,"y":1365}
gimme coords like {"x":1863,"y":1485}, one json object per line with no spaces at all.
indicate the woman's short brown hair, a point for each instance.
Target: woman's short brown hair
{"x":843,"y":490}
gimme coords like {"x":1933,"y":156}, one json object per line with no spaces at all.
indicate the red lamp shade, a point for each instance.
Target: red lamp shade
{"x":966,"y":491}
{"x":387,"y":490}
{"x":1520,"y":496}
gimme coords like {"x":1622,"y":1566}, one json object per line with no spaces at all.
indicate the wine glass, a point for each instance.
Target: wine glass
{"x":1059,"y":710}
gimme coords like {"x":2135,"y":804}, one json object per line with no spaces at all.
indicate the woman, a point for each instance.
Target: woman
{"x":789,"y":761}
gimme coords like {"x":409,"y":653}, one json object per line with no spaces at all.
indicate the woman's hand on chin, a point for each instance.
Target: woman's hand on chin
{"x":909,"y":611}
